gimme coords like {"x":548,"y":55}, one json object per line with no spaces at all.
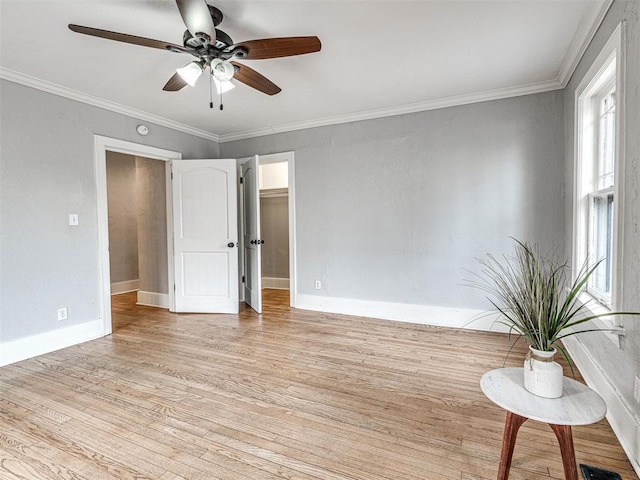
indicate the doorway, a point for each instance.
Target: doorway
{"x":138,"y":257}
{"x":267,"y":205}
{"x":102,"y":145}
{"x":274,"y":224}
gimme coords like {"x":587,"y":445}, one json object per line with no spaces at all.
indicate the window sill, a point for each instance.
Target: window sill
{"x":613,"y":332}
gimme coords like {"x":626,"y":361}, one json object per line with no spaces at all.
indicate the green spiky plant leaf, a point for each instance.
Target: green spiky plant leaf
{"x":535,"y":297}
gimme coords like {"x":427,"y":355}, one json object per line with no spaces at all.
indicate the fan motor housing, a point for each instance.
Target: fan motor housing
{"x":222,"y":40}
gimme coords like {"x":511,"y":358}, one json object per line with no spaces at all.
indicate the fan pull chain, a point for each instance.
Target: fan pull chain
{"x":221,"y":106}
{"x":211,"y":90}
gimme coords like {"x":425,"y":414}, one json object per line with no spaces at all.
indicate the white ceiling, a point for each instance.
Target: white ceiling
{"x":378,"y":57}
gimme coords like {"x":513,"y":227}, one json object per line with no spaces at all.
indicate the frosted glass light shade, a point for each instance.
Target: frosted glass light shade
{"x":223,"y":87}
{"x":222,"y":70}
{"x":190,"y":73}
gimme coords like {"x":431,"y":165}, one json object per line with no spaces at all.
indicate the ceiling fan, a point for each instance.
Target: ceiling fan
{"x":214,"y":49}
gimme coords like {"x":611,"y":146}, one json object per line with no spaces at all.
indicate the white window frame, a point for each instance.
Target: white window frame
{"x":597,"y":77}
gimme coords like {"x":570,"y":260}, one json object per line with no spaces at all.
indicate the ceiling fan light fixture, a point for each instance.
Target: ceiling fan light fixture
{"x":223,"y":87}
{"x":191,"y":72}
{"x":222,"y":70}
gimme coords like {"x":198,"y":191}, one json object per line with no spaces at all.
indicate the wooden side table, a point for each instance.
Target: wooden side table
{"x":579,"y":405}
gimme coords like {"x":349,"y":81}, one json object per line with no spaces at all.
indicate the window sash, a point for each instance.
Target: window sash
{"x":599,"y":192}
{"x":600,"y":247}
{"x":605,"y":136}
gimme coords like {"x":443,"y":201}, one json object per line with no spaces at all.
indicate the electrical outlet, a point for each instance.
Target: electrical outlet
{"x":318,"y":284}
{"x":63,"y":314}
{"x":636,"y":390}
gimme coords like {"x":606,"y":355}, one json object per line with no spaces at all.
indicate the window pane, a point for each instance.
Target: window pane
{"x":602,"y":242}
{"x":606,"y":141}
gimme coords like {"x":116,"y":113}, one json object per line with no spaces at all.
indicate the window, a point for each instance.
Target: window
{"x":601,"y":196}
{"x":598,"y":170}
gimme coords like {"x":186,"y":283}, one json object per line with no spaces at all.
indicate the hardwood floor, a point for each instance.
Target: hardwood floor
{"x":289,"y":394}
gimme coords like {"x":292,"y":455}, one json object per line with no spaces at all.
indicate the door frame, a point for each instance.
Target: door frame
{"x":288,"y":157}
{"x":103,"y":144}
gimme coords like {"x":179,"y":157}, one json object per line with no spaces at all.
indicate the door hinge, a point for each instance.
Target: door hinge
{"x":243,"y":279}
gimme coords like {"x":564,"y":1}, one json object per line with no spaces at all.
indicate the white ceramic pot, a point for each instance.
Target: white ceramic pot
{"x":542,"y":376}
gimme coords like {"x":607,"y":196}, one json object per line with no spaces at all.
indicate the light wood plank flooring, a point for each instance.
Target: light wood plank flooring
{"x":286,"y":395}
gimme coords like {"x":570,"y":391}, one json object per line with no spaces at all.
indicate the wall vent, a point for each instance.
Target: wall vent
{"x":593,"y":473}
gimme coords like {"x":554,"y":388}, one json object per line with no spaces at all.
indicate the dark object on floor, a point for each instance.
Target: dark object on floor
{"x":593,"y":473}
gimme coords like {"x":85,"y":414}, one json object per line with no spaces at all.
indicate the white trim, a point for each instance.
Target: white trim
{"x":36,"y":83}
{"x":125,"y":287}
{"x":422,"y":314}
{"x":274,"y":282}
{"x":399,"y":110}
{"x":613,"y":50}
{"x":621,"y":416}
{"x":587,"y":29}
{"x":620,"y":36}
{"x":171,"y":278}
{"x":293,"y":245}
{"x":101,"y":145}
{"x":61,"y":91}
{"x":152,"y":299}
{"x":34,"y":345}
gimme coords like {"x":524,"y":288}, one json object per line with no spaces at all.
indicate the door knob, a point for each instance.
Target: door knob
{"x":253,"y":242}
{"x":261,"y":242}
{"x":231,"y":244}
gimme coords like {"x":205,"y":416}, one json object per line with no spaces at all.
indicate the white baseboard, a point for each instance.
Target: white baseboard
{"x":34,"y":345}
{"x":152,"y":299}
{"x":125,"y":287}
{"x":422,"y":314}
{"x":273,"y":282}
{"x":624,"y":422}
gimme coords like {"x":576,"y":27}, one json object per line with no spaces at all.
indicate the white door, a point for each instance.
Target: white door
{"x":251,"y":234}
{"x":205,"y":236}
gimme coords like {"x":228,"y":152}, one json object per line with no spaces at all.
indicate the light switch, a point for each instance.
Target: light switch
{"x":73,"y":219}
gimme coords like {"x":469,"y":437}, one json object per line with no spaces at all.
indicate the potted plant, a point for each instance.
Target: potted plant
{"x":537,"y":300}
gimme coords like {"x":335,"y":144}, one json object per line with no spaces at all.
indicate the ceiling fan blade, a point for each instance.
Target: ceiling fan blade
{"x":196,"y":16}
{"x":175,"y":83}
{"x":250,"y":77}
{"x":126,"y":38}
{"x":278,"y":47}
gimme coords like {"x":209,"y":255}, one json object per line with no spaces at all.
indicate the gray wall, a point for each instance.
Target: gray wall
{"x":151,"y":199}
{"x":620,"y":366}
{"x":395,"y":209}
{"x":274,"y":230}
{"x":123,"y":221}
{"x":47,"y":172}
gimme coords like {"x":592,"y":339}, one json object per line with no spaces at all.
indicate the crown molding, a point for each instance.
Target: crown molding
{"x":59,"y":90}
{"x":454,"y":101}
{"x":589,"y":24}
{"x":399,"y":110}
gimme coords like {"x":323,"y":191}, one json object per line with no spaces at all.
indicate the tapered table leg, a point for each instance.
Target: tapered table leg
{"x":565,"y":438}
{"x":579,"y":405}
{"x":511,"y":426}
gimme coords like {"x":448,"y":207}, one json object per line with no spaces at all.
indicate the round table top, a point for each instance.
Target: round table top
{"x":578,"y":405}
